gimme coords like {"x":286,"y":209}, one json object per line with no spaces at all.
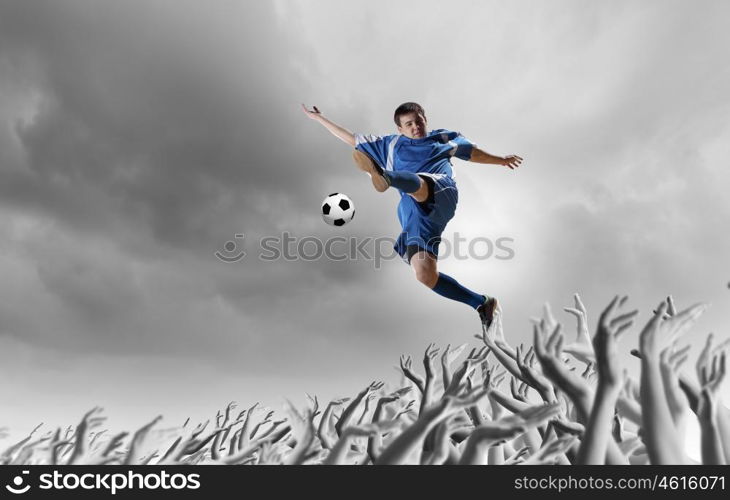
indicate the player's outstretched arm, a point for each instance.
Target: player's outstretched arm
{"x":338,"y":131}
{"x":481,"y":156}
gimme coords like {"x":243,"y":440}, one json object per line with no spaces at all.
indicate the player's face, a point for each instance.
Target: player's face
{"x":413,"y":125}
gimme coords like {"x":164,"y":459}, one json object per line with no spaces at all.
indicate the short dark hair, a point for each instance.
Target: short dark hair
{"x":405,"y":108}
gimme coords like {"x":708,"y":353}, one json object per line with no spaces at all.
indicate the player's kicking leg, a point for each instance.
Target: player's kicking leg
{"x":367,"y":165}
{"x":407,"y":182}
{"x":424,"y":265}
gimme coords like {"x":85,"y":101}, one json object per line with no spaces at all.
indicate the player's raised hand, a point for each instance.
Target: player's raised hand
{"x":511,"y":161}
{"x":314,"y":113}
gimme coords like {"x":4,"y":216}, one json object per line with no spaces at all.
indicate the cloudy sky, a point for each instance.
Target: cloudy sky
{"x":138,"y":137}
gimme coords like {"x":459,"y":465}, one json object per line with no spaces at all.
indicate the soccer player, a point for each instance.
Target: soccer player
{"x":418,"y":163}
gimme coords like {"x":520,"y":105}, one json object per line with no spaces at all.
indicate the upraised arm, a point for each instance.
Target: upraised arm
{"x":484,"y":436}
{"x":712,"y":449}
{"x":443,"y":446}
{"x":670,"y":360}
{"x":323,"y":431}
{"x":597,"y":434}
{"x":90,"y":420}
{"x":133,"y":455}
{"x":489,"y":337}
{"x":346,"y":417}
{"x":582,"y":348}
{"x":338,"y":131}
{"x":408,"y":441}
{"x":549,"y":354}
{"x":661,"y":442}
{"x":375,"y":442}
{"x":406,"y":364}
{"x":428,"y":357}
{"x":532,"y":377}
{"x":448,"y":357}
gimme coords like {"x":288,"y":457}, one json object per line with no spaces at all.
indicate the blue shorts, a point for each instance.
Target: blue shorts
{"x":423,"y":225}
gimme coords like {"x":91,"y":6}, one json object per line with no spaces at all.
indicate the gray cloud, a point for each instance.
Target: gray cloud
{"x":138,"y":137}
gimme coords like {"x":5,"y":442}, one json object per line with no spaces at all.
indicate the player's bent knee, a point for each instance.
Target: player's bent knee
{"x":427,"y":276}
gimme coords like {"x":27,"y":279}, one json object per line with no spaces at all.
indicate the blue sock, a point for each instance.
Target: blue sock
{"x":407,"y":182}
{"x":450,"y":288}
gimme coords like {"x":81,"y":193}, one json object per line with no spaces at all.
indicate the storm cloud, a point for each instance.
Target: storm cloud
{"x":137,"y":138}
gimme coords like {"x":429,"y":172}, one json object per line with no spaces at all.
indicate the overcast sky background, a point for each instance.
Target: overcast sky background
{"x":137,"y":137}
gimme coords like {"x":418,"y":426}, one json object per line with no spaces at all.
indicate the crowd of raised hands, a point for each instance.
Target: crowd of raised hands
{"x":556,"y":402}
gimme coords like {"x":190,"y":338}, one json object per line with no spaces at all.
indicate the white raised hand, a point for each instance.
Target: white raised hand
{"x":582,"y":348}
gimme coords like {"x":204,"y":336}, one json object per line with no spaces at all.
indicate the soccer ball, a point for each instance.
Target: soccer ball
{"x":337,"y":209}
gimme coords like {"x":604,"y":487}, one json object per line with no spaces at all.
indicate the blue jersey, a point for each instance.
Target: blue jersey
{"x":430,"y":155}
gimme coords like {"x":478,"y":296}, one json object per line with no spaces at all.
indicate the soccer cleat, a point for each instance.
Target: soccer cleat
{"x":487,"y":311}
{"x":367,"y":165}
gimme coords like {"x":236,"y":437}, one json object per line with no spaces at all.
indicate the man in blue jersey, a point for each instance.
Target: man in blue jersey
{"x":418,"y":164}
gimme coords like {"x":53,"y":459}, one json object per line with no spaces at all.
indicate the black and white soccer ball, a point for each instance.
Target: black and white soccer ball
{"x":337,"y":209}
